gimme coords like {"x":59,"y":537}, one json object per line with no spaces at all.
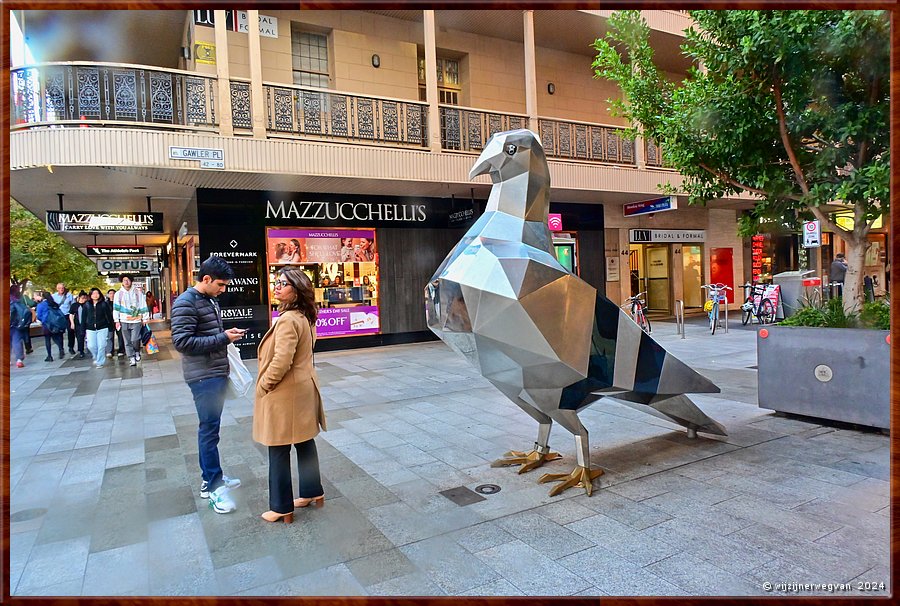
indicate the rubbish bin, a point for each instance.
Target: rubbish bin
{"x":792,"y":291}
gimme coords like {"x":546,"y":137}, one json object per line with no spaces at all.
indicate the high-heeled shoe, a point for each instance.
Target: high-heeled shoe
{"x":314,"y":501}
{"x":272,"y":516}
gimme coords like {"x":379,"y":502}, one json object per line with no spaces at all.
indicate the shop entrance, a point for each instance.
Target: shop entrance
{"x":649,"y":268}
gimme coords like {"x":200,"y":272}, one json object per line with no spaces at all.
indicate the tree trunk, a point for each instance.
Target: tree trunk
{"x":853,"y":281}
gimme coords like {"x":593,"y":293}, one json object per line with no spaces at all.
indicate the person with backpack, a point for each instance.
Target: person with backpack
{"x":65,"y":301}
{"x":53,"y":323}
{"x":19,"y":323}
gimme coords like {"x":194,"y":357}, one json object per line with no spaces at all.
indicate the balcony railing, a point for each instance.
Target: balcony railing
{"x":467,"y":129}
{"x":117,"y":94}
{"x":318,"y":113}
{"x":80,"y":93}
{"x":585,"y":141}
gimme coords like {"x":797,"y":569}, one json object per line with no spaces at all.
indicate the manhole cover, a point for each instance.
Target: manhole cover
{"x":487,"y":489}
{"x":27,"y":514}
{"x":462,"y":496}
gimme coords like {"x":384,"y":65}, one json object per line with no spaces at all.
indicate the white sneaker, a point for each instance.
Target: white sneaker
{"x":133,"y":362}
{"x":229,"y":482}
{"x":137,"y":356}
{"x":220,"y":501}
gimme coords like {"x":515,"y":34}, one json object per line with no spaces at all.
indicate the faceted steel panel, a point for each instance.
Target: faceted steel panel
{"x":544,"y":337}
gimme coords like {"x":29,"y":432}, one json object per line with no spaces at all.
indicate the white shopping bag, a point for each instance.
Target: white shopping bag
{"x":239,"y":378}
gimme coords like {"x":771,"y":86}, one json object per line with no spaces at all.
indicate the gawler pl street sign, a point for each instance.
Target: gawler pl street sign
{"x":96,"y":221}
{"x":126,"y":265}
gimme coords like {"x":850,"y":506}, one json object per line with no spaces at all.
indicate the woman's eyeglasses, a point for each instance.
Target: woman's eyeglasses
{"x":282,"y":283}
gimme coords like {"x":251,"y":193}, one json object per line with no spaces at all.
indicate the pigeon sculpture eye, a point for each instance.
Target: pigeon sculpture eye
{"x":511,"y":149}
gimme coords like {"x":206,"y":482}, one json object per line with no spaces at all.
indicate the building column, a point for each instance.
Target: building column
{"x":431,"y":88}
{"x":530,"y":71}
{"x":226,"y":125}
{"x":640,"y":152}
{"x":257,"y":98}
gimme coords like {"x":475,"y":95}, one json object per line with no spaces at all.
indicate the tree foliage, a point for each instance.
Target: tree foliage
{"x":44,"y":257}
{"x":790,"y":106}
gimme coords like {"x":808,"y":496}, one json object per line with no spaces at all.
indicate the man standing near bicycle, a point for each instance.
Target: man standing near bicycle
{"x":836,"y":274}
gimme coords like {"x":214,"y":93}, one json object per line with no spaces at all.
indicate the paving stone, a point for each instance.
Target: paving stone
{"x":119,"y":571}
{"x":331,"y":581}
{"x":551,"y":539}
{"x":414,"y":584}
{"x":242,"y":576}
{"x":500,"y":587}
{"x":60,"y":561}
{"x":612,"y":574}
{"x":380,"y":567}
{"x":481,"y":536}
{"x":542,"y":576}
{"x":698,"y":577}
{"x":448,"y":565}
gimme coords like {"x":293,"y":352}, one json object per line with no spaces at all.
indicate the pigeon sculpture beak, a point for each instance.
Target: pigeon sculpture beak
{"x":482,"y":166}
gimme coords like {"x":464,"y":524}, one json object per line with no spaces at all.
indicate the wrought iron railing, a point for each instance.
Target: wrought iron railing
{"x":585,"y":141}
{"x":468,"y":129}
{"x":319,"y":113}
{"x":113,"y":94}
{"x":653,"y":153}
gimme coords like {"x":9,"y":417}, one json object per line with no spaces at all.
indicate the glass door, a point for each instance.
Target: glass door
{"x":657,"y":266}
{"x":692,"y":257}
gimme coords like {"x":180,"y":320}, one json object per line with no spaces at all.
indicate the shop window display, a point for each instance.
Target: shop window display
{"x":342,"y":264}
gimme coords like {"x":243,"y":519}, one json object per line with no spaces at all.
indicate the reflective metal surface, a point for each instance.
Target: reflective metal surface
{"x":545,"y":338}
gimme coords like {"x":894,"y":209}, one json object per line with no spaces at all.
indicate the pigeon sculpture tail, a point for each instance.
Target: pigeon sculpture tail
{"x":545,"y":338}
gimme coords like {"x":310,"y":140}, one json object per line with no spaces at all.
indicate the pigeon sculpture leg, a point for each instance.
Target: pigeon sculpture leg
{"x":542,"y":336}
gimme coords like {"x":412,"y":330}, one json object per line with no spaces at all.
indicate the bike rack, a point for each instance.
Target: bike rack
{"x":679,"y":317}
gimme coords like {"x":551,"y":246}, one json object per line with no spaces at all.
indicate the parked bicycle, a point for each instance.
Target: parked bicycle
{"x":637,"y":311}
{"x":757,"y":305}
{"x":715,"y":295}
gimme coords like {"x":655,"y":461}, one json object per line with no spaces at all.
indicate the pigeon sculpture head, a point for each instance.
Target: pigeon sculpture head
{"x":515,"y":160}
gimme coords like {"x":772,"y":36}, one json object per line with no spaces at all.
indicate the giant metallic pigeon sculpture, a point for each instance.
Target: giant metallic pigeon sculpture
{"x":545,"y":338}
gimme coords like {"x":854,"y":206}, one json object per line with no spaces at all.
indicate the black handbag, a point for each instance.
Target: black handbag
{"x":146,"y":333}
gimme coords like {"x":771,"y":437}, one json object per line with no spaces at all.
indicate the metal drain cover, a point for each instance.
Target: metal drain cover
{"x":462,"y":496}
{"x":487,"y":489}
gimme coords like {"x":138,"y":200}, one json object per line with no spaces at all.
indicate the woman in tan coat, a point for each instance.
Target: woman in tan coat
{"x":288,"y":408}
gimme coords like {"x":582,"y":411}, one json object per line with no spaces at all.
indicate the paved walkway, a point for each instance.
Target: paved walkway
{"x":104,"y":482}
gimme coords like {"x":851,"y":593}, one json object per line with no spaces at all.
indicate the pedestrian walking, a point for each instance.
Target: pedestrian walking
{"x":76,"y":321}
{"x":837,"y":273}
{"x":53,"y":324}
{"x":198,"y":334}
{"x":20,"y":319}
{"x":130,"y":314}
{"x":97,"y":321}
{"x":288,"y":408}
{"x":114,"y":334}
{"x":32,"y":306}
{"x":65,"y":300}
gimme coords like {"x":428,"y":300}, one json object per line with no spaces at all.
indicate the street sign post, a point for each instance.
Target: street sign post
{"x":812,"y":234}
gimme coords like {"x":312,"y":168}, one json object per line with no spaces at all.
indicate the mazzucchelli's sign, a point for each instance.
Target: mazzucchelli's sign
{"x":98,"y":221}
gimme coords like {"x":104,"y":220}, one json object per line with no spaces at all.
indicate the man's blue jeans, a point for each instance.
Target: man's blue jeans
{"x":209,"y":398}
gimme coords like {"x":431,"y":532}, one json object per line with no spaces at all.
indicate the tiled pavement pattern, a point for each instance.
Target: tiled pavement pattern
{"x":104,"y":485}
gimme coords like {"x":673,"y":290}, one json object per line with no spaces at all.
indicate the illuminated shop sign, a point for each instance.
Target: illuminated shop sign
{"x":656,"y":205}
{"x":115,"y":251}
{"x":638,"y":236}
{"x":345,"y":211}
{"x":94,"y":221}
{"x":757,"y":243}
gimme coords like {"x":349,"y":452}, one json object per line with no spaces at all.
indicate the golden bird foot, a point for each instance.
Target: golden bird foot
{"x":527,"y":460}
{"x":580,"y":476}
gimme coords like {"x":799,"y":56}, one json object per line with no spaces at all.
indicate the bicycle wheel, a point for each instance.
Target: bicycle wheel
{"x":746,"y":314}
{"x":713,"y":318}
{"x":766,"y":312}
{"x":646,"y":321}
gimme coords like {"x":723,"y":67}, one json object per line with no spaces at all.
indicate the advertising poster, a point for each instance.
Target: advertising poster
{"x":343,"y":267}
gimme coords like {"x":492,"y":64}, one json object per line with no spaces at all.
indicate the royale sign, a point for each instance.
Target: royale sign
{"x":96,"y":221}
{"x":346,"y":211}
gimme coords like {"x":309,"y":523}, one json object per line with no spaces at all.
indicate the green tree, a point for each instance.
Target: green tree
{"x":44,"y":257}
{"x":790,"y":106}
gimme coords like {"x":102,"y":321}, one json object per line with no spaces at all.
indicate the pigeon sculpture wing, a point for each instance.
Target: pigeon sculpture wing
{"x":545,"y":338}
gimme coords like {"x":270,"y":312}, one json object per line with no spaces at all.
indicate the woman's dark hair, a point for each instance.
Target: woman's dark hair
{"x":99,"y":292}
{"x":216,"y":268}
{"x":123,"y":276}
{"x":296,"y":243}
{"x":305,"y":300}
{"x":14,"y":292}
{"x":365,"y":280}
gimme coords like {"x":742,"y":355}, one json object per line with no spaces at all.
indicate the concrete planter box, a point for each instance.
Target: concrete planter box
{"x":842,"y":374}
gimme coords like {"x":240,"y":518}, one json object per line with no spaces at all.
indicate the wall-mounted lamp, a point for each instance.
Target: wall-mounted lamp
{"x":551,"y":88}
{"x":376,"y":61}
